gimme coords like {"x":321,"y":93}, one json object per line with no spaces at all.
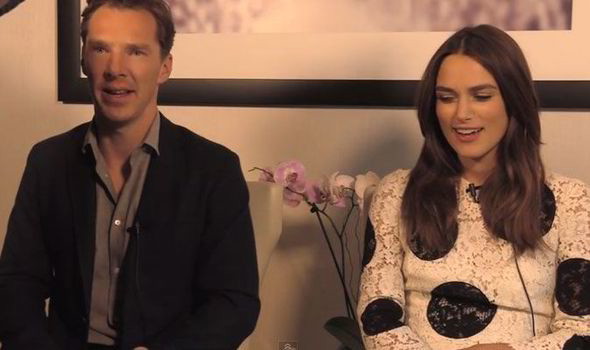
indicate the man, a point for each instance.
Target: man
{"x":136,"y":229}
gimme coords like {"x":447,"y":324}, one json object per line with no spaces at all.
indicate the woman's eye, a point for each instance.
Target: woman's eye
{"x":483,"y":97}
{"x":445,"y":98}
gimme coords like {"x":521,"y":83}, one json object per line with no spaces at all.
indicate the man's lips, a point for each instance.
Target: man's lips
{"x":117,"y":91}
{"x":116,"y":95}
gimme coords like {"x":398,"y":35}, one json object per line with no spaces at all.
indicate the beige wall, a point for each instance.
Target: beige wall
{"x":300,"y":291}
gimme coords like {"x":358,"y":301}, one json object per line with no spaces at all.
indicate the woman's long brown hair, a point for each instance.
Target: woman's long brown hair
{"x":510,"y":198}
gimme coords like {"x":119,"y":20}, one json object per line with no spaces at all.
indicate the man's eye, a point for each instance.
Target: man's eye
{"x":137,"y":52}
{"x":99,"y":49}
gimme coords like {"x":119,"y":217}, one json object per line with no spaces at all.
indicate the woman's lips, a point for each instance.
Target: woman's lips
{"x":467,"y":134}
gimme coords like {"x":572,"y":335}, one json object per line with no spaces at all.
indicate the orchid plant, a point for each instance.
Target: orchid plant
{"x":340,"y":191}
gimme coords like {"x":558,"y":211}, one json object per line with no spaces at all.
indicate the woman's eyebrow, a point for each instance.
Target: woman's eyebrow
{"x":442,"y":88}
{"x":483,"y":87}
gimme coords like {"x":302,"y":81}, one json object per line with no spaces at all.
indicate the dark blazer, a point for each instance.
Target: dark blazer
{"x":189,"y":278}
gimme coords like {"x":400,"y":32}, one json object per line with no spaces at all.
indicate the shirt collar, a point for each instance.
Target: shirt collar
{"x":152,"y":139}
{"x":150,"y":143}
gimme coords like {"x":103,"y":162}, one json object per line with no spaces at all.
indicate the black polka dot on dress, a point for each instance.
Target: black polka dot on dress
{"x":459,"y":310}
{"x":573,"y":287}
{"x":381,"y":315}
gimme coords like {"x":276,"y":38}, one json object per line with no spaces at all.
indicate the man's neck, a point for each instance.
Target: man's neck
{"x":117,"y":142}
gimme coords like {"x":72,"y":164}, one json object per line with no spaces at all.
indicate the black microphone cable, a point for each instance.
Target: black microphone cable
{"x":473,"y":191}
{"x":525,"y":291}
{"x":135,"y":231}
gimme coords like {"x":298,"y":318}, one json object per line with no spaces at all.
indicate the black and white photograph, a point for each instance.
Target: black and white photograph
{"x":325,"y":16}
{"x":345,"y":52}
{"x":7,"y":5}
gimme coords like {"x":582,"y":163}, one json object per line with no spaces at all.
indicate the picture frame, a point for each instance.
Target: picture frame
{"x":277,"y":92}
{"x":8,"y":5}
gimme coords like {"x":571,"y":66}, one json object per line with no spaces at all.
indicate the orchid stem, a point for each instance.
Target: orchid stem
{"x":344,"y":244}
{"x":349,"y":309}
{"x":341,"y":267}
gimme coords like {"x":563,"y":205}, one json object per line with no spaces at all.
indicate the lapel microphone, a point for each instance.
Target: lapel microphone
{"x":134,"y":230}
{"x":473,"y":192}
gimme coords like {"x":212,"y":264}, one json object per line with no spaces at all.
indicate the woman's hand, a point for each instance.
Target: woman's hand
{"x":495,"y":346}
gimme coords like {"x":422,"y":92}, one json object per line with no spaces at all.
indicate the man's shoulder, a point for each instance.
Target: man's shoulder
{"x":197,"y":145}
{"x":61,"y":144}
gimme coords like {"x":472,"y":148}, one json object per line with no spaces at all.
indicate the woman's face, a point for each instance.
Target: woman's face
{"x":470,"y":111}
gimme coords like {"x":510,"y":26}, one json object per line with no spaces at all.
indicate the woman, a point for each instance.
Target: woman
{"x":476,"y":247}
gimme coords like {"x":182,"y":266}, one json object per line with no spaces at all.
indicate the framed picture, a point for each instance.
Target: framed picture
{"x":332,"y":70}
{"x":7,"y":5}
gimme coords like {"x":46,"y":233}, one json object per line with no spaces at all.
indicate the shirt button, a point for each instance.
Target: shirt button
{"x":116,"y":270}
{"x":117,"y":222}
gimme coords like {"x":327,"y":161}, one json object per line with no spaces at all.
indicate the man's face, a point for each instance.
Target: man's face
{"x":123,"y":63}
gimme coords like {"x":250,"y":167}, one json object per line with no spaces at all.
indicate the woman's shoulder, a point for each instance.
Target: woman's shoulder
{"x":567,"y":188}
{"x":388,"y":196}
{"x":398,"y":176}
{"x":558,"y":180}
{"x":396,"y":180}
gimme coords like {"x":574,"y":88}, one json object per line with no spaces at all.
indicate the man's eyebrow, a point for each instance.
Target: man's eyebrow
{"x":144,"y":47}
{"x":133,"y":46}
{"x":96,"y":42}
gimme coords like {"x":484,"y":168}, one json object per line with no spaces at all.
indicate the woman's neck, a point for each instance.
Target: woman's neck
{"x":476,"y":172}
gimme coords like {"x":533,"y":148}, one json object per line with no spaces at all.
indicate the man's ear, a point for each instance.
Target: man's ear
{"x":83,"y":66}
{"x":165,"y":69}
{"x":82,"y":63}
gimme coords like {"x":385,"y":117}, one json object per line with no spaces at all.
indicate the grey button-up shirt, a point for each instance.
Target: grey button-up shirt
{"x":115,"y":214}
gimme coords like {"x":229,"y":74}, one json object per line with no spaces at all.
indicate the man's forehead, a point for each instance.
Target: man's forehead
{"x":124,"y":23}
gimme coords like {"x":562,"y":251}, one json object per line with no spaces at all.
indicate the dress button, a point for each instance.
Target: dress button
{"x":117,"y":222}
{"x":84,"y":320}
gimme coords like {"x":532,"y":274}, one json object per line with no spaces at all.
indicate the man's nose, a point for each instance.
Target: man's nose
{"x":115,"y":66}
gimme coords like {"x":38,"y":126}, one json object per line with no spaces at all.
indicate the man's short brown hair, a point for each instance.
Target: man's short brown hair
{"x":158,"y":8}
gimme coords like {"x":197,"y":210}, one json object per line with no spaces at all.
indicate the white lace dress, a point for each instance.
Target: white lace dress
{"x":472,"y":293}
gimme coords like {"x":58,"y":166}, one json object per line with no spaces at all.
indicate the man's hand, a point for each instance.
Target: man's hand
{"x":495,"y":346}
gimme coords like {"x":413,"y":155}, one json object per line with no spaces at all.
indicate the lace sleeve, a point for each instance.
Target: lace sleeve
{"x":570,"y":327}
{"x":381,"y":302}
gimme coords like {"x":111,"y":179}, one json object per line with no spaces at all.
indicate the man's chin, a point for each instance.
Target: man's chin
{"x":113,"y":118}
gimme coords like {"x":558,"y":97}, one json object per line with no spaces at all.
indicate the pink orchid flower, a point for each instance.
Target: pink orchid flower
{"x":291,"y":174}
{"x":266,"y":175}
{"x":362,"y":184}
{"x":316,"y":192}
{"x":291,"y":198}
{"x":339,"y":185}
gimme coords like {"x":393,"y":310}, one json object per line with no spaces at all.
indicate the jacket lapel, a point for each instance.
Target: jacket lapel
{"x":161,"y":190}
{"x":82,"y":191}
{"x":162,"y":186}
